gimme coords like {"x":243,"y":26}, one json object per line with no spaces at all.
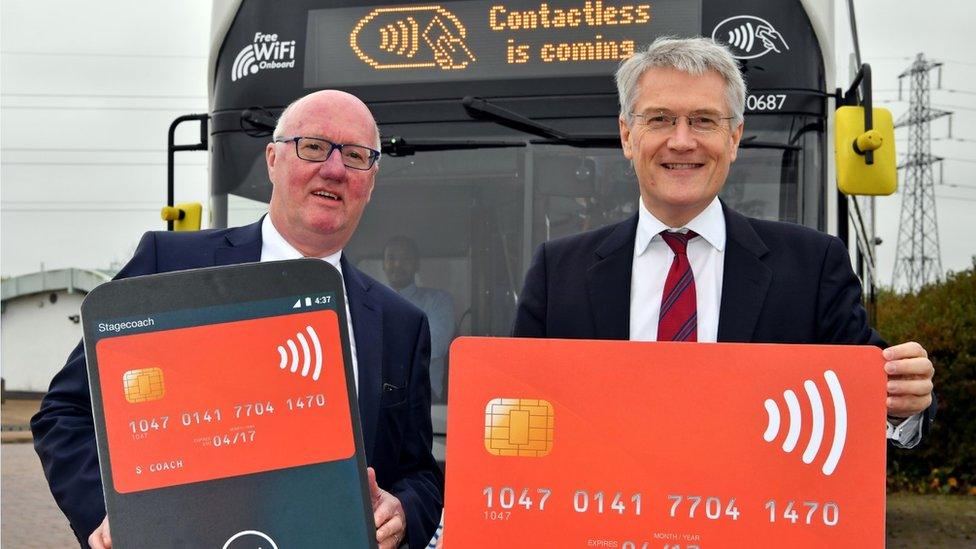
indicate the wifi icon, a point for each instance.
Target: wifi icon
{"x":291,"y":356}
{"x":244,"y":64}
{"x":400,"y":37}
{"x":796,"y":421}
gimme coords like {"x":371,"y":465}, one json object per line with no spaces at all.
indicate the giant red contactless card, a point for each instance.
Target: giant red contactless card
{"x":559,"y":443}
{"x":221,"y":400}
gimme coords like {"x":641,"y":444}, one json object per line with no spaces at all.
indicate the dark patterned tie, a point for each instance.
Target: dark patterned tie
{"x":679,"y":309}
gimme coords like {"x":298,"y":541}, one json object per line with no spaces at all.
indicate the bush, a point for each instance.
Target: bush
{"x":942,"y":317}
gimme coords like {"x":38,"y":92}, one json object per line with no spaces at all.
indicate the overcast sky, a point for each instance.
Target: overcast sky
{"x":88,"y":89}
{"x":891,"y":35}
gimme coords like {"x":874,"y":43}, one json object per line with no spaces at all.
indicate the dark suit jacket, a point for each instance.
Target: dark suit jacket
{"x":392,"y":347}
{"x":783,"y":283}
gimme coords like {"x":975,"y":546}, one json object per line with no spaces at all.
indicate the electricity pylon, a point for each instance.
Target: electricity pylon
{"x":917,"y":260}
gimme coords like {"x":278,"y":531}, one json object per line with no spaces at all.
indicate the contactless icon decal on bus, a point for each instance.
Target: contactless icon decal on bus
{"x":749,"y":36}
{"x":411,"y":37}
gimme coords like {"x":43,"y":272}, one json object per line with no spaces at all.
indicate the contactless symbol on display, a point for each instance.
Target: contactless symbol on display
{"x":308,"y":355}
{"x":411,"y":37}
{"x":749,"y":36}
{"x":250,"y":539}
{"x":816,"y":419}
{"x":400,"y":37}
{"x":518,"y":427}
{"x":143,"y":385}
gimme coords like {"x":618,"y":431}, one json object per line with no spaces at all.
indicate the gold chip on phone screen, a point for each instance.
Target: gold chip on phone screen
{"x":518,"y":427}
{"x":143,"y":385}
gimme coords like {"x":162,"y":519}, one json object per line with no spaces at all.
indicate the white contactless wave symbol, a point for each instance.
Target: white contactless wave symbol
{"x":742,"y":37}
{"x":307,"y":354}
{"x":817,"y":419}
{"x":245,"y":63}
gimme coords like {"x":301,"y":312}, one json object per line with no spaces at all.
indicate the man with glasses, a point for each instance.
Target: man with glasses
{"x":322,"y":163}
{"x":688,"y":268}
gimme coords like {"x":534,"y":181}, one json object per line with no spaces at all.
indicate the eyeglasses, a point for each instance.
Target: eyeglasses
{"x":701,"y":123}
{"x":314,"y":149}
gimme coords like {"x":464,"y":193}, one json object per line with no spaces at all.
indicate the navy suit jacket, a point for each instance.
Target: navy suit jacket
{"x":782,"y":283}
{"x":392,"y":348}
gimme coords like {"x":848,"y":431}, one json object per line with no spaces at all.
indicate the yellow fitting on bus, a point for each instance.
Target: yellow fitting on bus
{"x":870,"y":140}
{"x":185,"y":216}
{"x":854,"y":175}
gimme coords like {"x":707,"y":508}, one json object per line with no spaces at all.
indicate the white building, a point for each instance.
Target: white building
{"x":40,"y":324}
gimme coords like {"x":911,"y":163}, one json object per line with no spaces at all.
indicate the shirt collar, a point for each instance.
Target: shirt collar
{"x":274,"y":247}
{"x":709,"y":224}
{"x":409,"y":290}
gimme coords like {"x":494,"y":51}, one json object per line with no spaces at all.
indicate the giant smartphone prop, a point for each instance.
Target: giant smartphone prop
{"x":225,"y":409}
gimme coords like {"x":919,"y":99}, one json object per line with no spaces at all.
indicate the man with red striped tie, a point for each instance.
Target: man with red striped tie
{"x":688,"y":268}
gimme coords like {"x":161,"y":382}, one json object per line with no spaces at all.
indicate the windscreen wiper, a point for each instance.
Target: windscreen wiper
{"x":481,"y":109}
{"x":750,"y":142}
{"x":398,"y":146}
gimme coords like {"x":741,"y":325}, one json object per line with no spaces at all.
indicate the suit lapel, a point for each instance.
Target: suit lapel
{"x":745,"y":280}
{"x":608,"y":282}
{"x":367,"y":324}
{"x":243,"y":245}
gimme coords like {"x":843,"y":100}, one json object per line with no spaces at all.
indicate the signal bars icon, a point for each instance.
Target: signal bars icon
{"x":817,"y":419}
{"x":308,"y":355}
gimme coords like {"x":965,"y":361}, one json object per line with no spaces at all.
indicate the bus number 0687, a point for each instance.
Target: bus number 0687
{"x":765,"y":102}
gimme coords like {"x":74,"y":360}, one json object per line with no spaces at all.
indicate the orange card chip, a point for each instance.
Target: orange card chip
{"x":143,"y":385}
{"x":518,"y":427}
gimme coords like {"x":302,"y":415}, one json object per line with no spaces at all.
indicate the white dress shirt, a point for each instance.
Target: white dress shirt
{"x":706,"y":254}
{"x":652,"y":259}
{"x":275,"y":248}
{"x":438,"y":305}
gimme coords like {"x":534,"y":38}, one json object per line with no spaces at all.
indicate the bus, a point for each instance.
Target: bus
{"x":499,"y":124}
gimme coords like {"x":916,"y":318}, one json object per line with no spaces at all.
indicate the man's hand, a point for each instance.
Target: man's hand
{"x":391,"y":524}
{"x":909,"y":379}
{"x":101,"y":538}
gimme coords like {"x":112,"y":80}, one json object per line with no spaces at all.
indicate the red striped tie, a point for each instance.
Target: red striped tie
{"x":679,"y":309}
